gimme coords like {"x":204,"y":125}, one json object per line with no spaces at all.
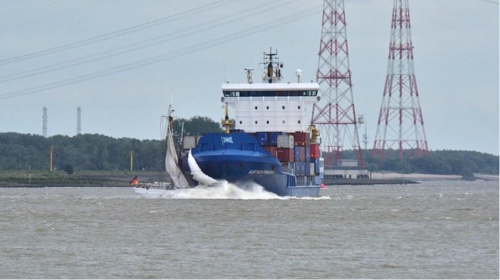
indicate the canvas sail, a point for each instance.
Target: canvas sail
{"x":198,"y":175}
{"x":171,"y":162}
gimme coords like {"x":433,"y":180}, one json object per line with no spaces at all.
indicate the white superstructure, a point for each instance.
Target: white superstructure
{"x":271,"y":105}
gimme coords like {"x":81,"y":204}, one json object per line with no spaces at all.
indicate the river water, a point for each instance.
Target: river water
{"x":432,"y":230}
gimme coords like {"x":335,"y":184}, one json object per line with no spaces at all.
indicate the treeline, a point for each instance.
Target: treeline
{"x":196,"y":125}
{"x":444,"y":162}
{"x":82,"y":152}
{"x":99,"y":152}
{"x":91,"y":151}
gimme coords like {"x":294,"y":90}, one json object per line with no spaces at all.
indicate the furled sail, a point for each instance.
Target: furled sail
{"x":171,"y":162}
{"x":198,"y":175}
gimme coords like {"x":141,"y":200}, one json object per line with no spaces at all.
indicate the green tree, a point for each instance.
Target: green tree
{"x":68,"y":168}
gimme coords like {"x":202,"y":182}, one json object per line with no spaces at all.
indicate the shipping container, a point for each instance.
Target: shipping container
{"x":262,"y":138}
{"x":307,"y":154}
{"x":307,"y":170}
{"x":314,"y":151}
{"x":271,"y":149}
{"x":302,"y":139}
{"x":302,"y":153}
{"x":315,"y":161}
{"x":311,"y":169}
{"x":188,"y":142}
{"x":273,"y":138}
{"x":297,"y":169}
{"x":300,"y":168}
{"x":285,"y":141}
{"x":296,"y":153}
{"x":285,"y":155}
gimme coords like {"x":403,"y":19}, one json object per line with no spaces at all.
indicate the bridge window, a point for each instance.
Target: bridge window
{"x":269,"y":93}
{"x":283,"y":107}
{"x":256,"y":122}
{"x":267,"y":122}
{"x":241,"y":122}
{"x":255,"y":107}
{"x":298,"y":107}
{"x":267,"y":107}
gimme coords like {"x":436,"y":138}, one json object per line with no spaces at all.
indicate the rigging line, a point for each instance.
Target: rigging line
{"x":134,"y":47}
{"x":108,"y":35}
{"x":167,"y":56}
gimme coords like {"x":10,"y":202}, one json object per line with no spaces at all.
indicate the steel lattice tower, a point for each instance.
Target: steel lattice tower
{"x":400,"y":122}
{"x":335,"y":113}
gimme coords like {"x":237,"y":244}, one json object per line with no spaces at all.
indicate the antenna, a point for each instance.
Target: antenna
{"x":400,"y":122}
{"x":171,"y":97}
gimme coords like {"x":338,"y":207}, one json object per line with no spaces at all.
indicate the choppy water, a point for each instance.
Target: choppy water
{"x":432,"y":230}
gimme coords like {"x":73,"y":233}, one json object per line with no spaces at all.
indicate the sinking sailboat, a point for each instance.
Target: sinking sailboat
{"x":177,"y":176}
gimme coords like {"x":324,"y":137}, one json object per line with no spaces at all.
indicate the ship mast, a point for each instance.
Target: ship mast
{"x":272,"y":69}
{"x":226,"y":121}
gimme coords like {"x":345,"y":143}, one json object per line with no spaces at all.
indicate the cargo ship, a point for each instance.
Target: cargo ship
{"x":268,"y":141}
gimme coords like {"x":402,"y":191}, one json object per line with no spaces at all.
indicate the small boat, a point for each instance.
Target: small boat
{"x":179,"y":181}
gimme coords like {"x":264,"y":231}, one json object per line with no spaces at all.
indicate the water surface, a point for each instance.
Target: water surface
{"x":431,"y":230}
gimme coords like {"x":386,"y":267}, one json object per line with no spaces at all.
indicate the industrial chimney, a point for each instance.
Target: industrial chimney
{"x":45,"y":122}
{"x":78,"y":121}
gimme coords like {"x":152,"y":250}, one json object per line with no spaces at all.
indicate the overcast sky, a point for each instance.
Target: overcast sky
{"x":121,"y":60}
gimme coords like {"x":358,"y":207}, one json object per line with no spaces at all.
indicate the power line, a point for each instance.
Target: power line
{"x":159,"y":58}
{"x":109,"y":35}
{"x":145,"y":44}
{"x":490,"y":1}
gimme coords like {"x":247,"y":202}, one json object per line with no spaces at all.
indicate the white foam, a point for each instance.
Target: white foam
{"x":226,"y":190}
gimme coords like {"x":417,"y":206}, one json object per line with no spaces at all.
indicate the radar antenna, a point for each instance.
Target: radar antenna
{"x":272,"y":68}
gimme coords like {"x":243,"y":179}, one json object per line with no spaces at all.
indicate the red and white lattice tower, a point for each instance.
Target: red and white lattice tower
{"x":400,"y":122}
{"x":335,"y":113}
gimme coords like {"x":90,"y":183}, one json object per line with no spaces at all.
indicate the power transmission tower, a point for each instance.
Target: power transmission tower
{"x":400,"y":122}
{"x":335,"y":113}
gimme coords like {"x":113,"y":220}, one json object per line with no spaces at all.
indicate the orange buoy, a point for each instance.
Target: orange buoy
{"x":323,"y":186}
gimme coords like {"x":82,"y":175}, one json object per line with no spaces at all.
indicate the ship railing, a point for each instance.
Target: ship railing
{"x":290,"y":180}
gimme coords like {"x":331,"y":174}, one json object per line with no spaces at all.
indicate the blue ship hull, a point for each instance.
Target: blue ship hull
{"x":239,"y":159}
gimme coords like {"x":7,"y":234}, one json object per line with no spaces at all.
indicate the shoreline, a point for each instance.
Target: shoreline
{"x":121,"y":179}
{"x":430,"y":177}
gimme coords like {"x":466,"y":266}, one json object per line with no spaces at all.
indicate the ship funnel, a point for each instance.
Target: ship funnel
{"x":299,"y":75}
